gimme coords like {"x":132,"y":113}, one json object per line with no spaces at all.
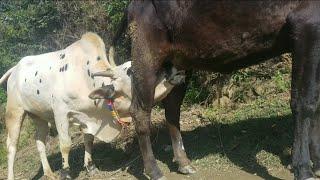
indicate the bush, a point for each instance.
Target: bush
{"x":30,"y":27}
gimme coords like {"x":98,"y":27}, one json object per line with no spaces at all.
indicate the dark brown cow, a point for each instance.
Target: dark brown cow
{"x":223,"y":36}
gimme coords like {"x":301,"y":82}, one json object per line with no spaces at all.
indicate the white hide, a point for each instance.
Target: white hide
{"x":55,"y":87}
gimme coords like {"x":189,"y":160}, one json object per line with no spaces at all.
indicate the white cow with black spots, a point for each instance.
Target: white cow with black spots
{"x":54,"y":87}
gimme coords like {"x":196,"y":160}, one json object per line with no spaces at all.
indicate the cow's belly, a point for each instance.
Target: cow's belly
{"x":37,"y":101}
{"x":226,"y":32}
{"x":38,"y":107}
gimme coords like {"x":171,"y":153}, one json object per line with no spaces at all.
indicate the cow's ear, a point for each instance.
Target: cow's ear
{"x":105,"y":92}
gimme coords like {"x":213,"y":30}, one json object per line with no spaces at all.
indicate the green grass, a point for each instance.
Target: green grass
{"x":261,"y":107}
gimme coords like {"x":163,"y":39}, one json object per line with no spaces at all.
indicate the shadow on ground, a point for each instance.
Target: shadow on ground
{"x":239,"y":142}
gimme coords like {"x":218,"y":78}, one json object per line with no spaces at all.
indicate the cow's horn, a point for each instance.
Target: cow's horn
{"x":107,"y":73}
{"x":111,"y":57}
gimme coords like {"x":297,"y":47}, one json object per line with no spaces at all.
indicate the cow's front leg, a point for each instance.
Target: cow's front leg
{"x":172,"y":105}
{"x":142,"y":101}
{"x":150,"y":48}
{"x":62,"y":124}
{"x":88,"y":162}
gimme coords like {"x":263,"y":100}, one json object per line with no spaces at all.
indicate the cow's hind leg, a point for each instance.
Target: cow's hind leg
{"x":312,"y":102}
{"x":42,"y":130}
{"x":88,"y":162}
{"x":172,"y":105}
{"x":305,"y":97}
{"x":62,"y":124}
{"x":14,"y":118}
{"x":315,"y":144}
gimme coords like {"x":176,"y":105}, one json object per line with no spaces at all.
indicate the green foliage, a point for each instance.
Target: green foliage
{"x":29,"y":27}
{"x":196,"y":92}
{"x":239,"y":76}
{"x":193,"y":95}
{"x":23,"y":28}
{"x":3,"y":154}
{"x":115,"y":9}
{"x":281,"y":83}
{"x":2,"y":98}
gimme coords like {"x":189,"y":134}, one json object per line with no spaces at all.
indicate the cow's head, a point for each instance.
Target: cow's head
{"x":121,"y":84}
{"x":120,"y":87}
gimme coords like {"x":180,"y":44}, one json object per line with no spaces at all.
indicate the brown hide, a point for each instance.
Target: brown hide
{"x":219,"y":35}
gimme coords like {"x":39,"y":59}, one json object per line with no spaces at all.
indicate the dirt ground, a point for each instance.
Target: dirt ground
{"x":218,"y":151}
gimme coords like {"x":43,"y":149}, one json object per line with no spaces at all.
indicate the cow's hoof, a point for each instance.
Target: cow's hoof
{"x":188,"y":169}
{"x":92,"y":170}
{"x":65,"y":174}
{"x":156,"y":175}
{"x":153,"y":172}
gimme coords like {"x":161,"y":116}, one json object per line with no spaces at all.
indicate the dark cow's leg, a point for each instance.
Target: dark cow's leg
{"x":149,"y":50}
{"x":140,"y":109}
{"x":172,"y":105}
{"x":301,"y":157}
{"x":305,"y":97}
{"x":315,"y":144}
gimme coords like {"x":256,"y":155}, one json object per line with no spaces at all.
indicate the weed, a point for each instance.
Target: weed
{"x":281,"y":83}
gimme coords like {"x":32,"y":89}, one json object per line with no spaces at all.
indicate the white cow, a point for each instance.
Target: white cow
{"x":54,"y":88}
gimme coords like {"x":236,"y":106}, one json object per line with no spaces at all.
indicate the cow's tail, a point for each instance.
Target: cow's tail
{"x":6,"y":75}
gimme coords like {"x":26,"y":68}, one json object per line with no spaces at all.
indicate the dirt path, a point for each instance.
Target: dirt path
{"x":202,"y":174}
{"x":245,"y":149}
